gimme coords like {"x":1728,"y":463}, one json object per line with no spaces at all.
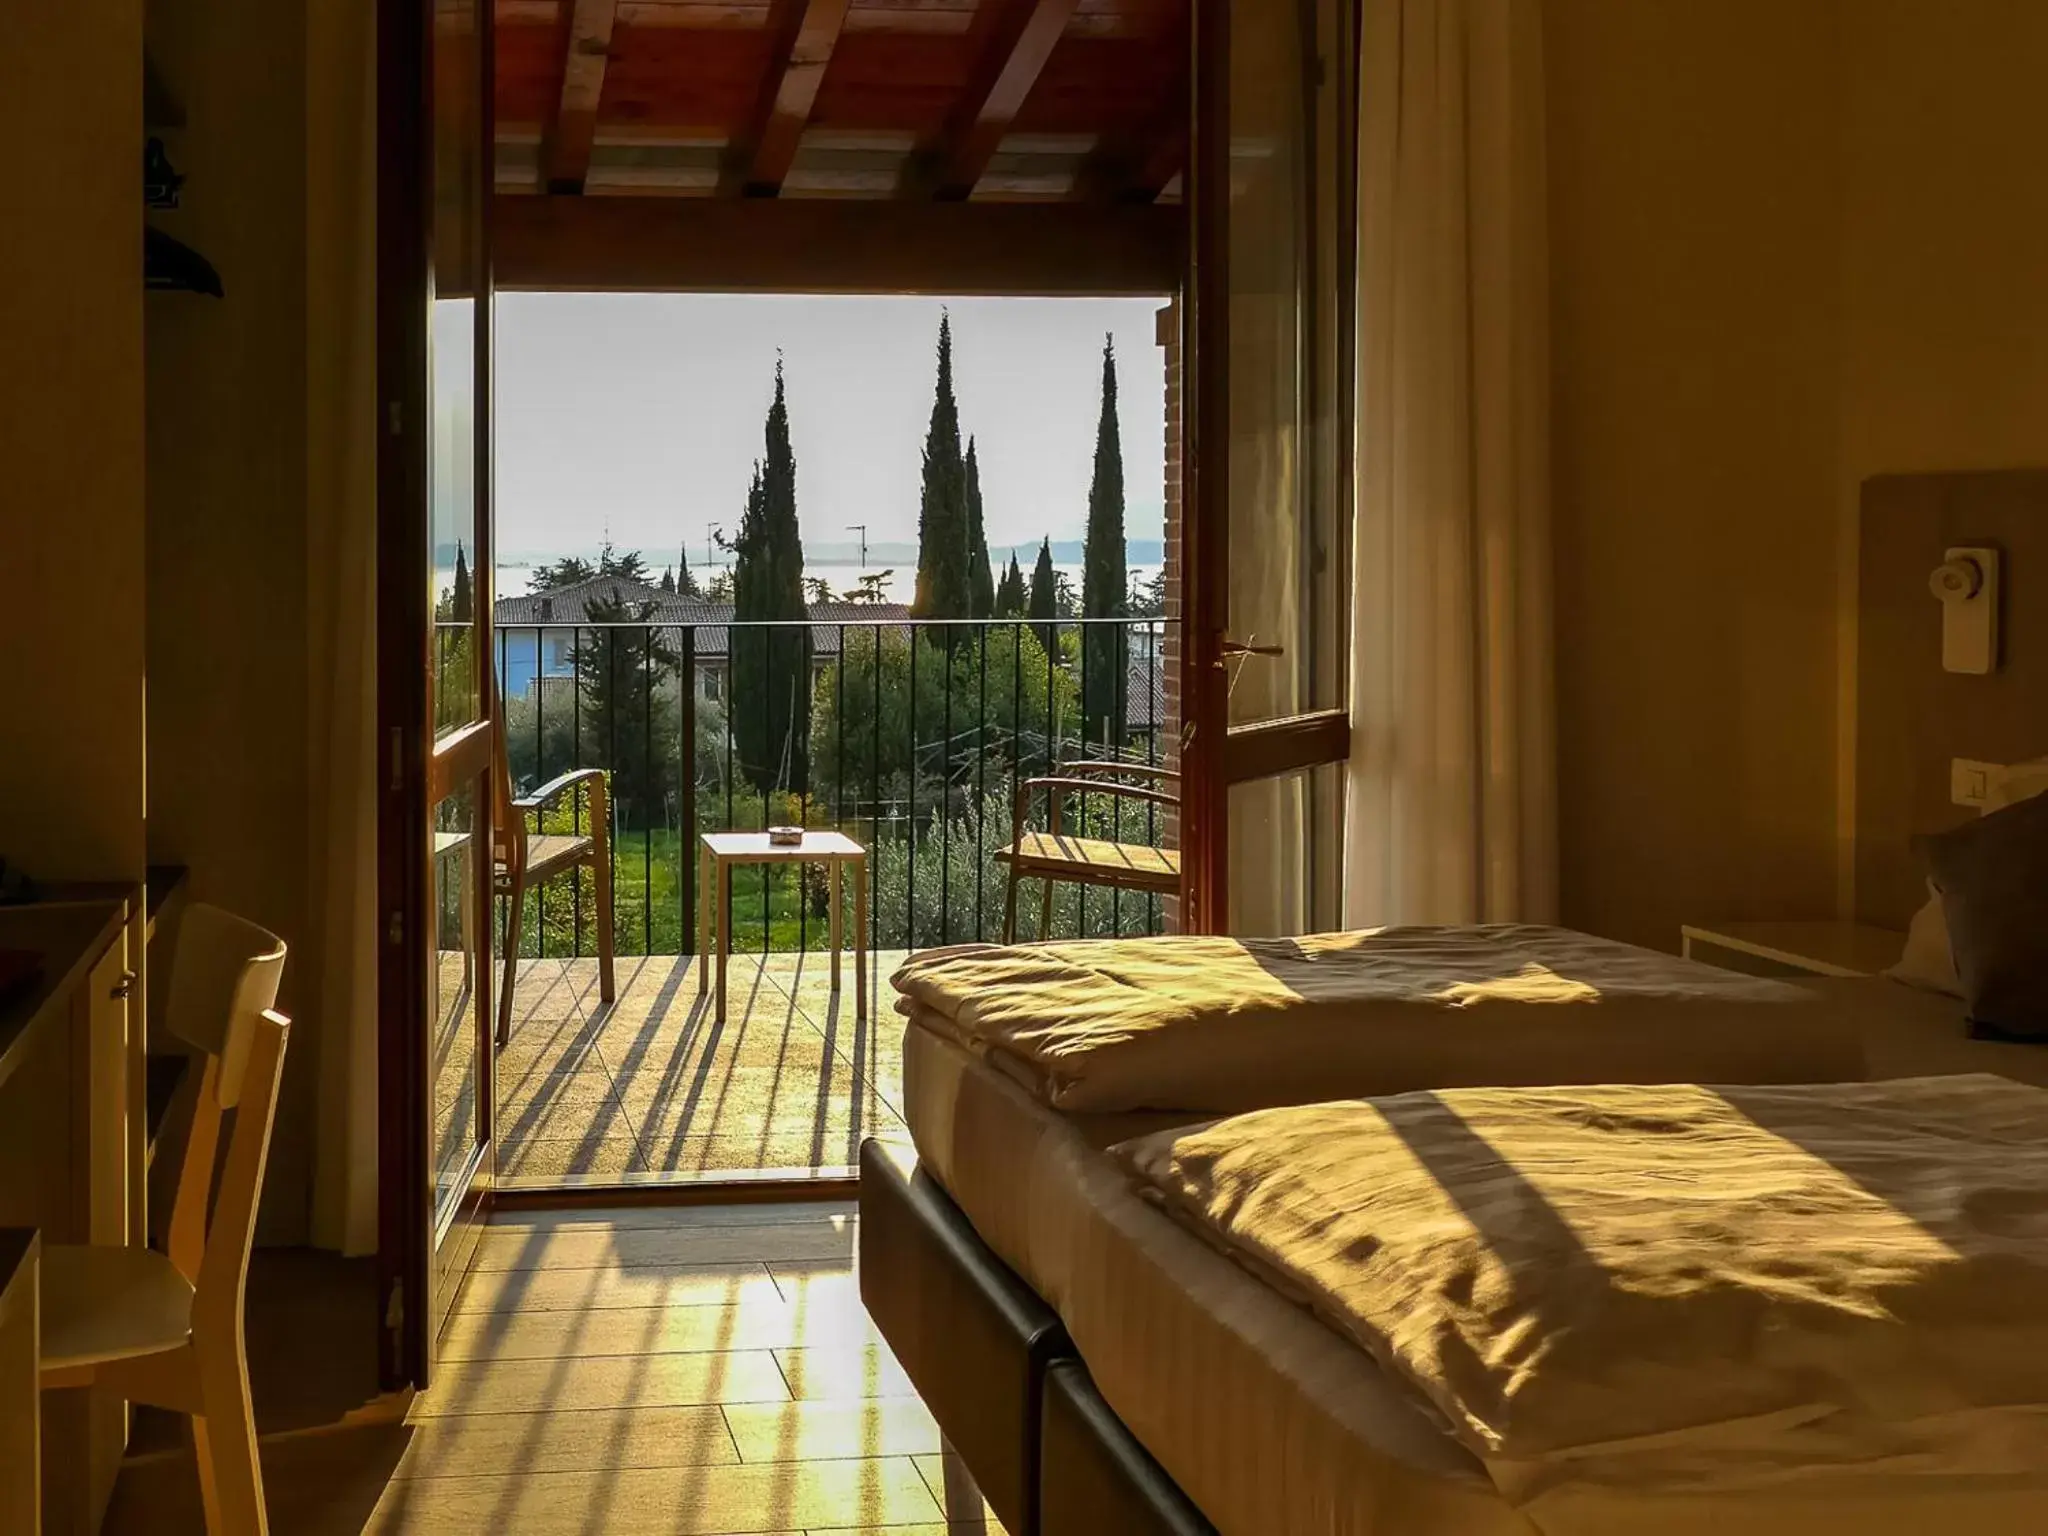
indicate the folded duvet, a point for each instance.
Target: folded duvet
{"x":1674,"y":1286}
{"x":1215,"y":1025}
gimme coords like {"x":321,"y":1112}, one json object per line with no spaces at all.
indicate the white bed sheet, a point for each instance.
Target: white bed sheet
{"x":1273,"y":1424}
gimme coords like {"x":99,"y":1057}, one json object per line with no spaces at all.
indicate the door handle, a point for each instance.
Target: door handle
{"x":1229,"y":649}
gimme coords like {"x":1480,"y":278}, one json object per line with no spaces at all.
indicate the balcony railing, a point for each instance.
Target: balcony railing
{"x":909,"y":735}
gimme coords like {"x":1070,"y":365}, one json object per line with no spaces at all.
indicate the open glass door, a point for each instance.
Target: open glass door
{"x":1268,"y":529}
{"x":436,"y":701}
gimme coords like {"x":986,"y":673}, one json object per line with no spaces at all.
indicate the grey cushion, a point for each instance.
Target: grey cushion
{"x":1993,"y":878}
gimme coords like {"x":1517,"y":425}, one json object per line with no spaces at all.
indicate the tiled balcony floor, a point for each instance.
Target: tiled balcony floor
{"x":654,"y":1088}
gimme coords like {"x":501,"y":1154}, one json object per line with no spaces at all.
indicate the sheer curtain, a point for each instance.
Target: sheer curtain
{"x":340,"y":951}
{"x":1452,"y":804}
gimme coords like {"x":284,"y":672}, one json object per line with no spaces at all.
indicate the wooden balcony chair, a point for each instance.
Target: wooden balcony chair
{"x":166,"y":1328}
{"x":525,"y":857}
{"x":1054,"y":855}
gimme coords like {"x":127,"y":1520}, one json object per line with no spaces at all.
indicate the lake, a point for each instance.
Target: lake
{"x":513,"y":580}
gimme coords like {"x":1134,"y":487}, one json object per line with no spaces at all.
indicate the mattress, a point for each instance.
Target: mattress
{"x":1269,"y":1421}
{"x":1266,"y":1419}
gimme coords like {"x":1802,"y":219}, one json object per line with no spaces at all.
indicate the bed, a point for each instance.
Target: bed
{"x":1045,"y":1241}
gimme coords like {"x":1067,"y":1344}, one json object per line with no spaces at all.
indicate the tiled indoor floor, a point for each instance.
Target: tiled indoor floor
{"x":705,"y":1370}
{"x":702,"y":1371}
{"x":653,"y":1087}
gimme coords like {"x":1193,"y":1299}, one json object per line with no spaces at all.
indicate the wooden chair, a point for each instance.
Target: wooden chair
{"x":1052,"y":855}
{"x":166,"y":1328}
{"x":524,"y":857}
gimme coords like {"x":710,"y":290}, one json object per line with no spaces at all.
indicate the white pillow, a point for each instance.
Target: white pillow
{"x":1928,"y":962}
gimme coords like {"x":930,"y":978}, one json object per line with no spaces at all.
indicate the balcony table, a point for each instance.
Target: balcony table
{"x":723,"y":850}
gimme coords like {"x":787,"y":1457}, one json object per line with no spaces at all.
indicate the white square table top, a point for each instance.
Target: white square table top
{"x":754,"y":847}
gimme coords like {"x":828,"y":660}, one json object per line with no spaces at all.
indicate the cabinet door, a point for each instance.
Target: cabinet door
{"x":106,"y":1010}
{"x":86,"y":1432}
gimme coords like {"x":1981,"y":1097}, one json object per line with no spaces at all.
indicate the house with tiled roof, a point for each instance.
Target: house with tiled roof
{"x":537,"y":632}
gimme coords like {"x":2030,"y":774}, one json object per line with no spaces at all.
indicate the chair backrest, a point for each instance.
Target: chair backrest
{"x":224,"y":974}
{"x":224,"y":978}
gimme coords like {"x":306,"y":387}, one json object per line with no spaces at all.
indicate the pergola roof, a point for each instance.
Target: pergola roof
{"x":927,"y":100}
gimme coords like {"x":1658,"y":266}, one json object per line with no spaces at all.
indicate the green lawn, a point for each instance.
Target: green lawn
{"x":953,"y":885}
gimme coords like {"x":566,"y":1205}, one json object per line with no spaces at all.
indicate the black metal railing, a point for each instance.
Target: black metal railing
{"x":909,"y":735}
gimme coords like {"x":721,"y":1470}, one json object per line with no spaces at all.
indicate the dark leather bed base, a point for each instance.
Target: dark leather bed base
{"x":997,"y":1370}
{"x":1093,"y":1475}
{"x":972,"y":1336}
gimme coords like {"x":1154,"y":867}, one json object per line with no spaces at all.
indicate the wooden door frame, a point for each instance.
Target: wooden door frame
{"x":1205,"y":480}
{"x":404,"y":1264}
{"x":1214,"y":755}
{"x":406,"y":765}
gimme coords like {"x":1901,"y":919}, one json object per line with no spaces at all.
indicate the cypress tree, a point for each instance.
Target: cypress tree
{"x":978,"y":574}
{"x":668,"y":581}
{"x":771,"y":667}
{"x":686,"y":584}
{"x":1010,"y":591}
{"x":1044,"y":601}
{"x":943,"y":589}
{"x":1105,"y":584}
{"x":461,"y":602}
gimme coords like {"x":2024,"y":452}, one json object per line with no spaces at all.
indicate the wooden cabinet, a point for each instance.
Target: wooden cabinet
{"x":68,"y":1047}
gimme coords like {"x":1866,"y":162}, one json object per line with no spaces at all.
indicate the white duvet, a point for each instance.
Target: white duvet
{"x":1216,"y":1025}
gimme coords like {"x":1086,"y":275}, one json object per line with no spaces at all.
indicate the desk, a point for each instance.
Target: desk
{"x":723,"y":850}
{"x":70,"y":1140}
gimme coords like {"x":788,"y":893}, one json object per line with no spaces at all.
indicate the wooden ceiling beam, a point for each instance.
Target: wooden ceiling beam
{"x":1018,"y":39}
{"x":1141,"y":168}
{"x":1138,"y":168}
{"x":570,"y":137}
{"x":835,"y":245}
{"x":806,"y":33}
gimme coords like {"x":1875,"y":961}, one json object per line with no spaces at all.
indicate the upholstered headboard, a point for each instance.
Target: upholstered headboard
{"x":1912,"y":717}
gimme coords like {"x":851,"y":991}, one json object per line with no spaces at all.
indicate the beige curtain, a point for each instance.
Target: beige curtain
{"x":1452,"y":808}
{"x":341,"y":497}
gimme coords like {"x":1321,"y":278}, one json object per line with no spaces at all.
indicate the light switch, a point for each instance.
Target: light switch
{"x":1969,"y":783}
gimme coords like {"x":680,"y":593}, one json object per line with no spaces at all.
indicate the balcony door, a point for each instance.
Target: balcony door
{"x":437,"y":710}
{"x":1267,"y":531}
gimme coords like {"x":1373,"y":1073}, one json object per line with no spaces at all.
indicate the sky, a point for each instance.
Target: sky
{"x":640,"y":416}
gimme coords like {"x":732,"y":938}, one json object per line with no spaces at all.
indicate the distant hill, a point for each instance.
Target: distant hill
{"x":880,"y":556}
